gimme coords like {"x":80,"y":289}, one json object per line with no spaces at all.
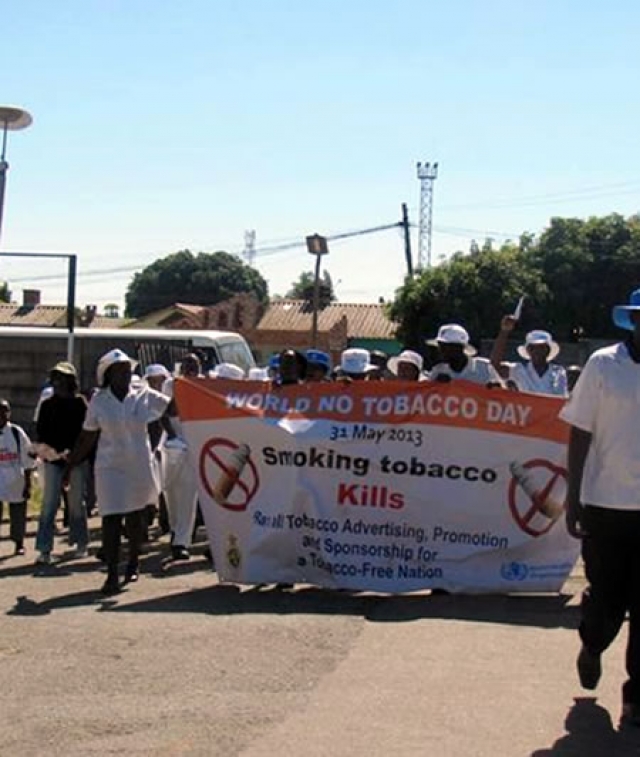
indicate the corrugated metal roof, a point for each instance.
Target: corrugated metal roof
{"x":36,"y":315}
{"x":364,"y":320}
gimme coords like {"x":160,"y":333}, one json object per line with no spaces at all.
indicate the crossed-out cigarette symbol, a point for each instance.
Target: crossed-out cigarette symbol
{"x":536,"y":495}
{"x":216,"y":464}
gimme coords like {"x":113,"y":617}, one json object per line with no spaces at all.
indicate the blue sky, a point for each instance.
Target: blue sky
{"x":161,"y":125}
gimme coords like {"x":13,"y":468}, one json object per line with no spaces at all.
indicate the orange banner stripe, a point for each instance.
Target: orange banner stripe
{"x":459,"y":404}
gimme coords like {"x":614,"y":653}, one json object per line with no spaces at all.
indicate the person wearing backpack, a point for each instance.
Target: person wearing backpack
{"x":16,"y":466}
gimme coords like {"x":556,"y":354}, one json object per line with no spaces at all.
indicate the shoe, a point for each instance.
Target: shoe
{"x":589,"y":668}
{"x":131,"y":574}
{"x":80,"y":552}
{"x":110,"y":587}
{"x":631,"y":714}
{"x":283,"y":586}
{"x":19,"y":550}
{"x":44,"y":558}
{"x":180,"y":553}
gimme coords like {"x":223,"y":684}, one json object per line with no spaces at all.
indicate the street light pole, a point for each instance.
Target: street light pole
{"x":11,"y":119}
{"x":317,"y":246}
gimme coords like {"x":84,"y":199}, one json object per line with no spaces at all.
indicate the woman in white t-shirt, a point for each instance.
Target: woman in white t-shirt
{"x":117,"y":420}
{"x":538,"y":374}
{"x":458,"y":358}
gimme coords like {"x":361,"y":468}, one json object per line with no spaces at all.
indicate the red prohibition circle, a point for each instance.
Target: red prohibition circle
{"x":523,"y":521}
{"x":208,"y":453}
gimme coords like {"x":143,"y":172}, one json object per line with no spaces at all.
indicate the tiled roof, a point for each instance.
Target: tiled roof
{"x":364,"y":320}
{"x":102,"y":322}
{"x":12,"y":314}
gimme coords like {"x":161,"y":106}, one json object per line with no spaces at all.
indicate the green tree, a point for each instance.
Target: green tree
{"x":200,"y":279}
{"x":5,"y":294}
{"x":302,"y":289}
{"x":475,"y":290}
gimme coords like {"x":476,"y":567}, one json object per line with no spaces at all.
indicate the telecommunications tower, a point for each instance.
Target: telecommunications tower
{"x":427,"y":173}
{"x":249,"y":252}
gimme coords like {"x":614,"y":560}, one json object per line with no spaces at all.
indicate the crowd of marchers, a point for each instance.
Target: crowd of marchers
{"x":124,"y":448}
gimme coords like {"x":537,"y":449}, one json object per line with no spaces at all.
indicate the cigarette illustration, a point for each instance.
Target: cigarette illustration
{"x":547,"y":505}
{"x":225,"y":484}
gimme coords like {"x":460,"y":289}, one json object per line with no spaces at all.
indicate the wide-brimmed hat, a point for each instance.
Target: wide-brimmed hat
{"x":228,"y":371}
{"x":356,"y":361}
{"x":318,"y":357}
{"x":453,"y":333}
{"x":111,"y":358}
{"x":539,"y":337}
{"x":622,"y":313}
{"x":65,"y":368}
{"x":407,"y":356}
{"x":258,"y":374}
{"x":156,"y":369}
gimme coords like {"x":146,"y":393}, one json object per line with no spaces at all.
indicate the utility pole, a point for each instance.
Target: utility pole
{"x":407,"y":238}
{"x":427,"y":174}
{"x":317,"y":246}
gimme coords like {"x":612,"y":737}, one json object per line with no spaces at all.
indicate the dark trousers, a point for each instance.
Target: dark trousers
{"x":112,"y":527}
{"x":611,"y":554}
{"x":17,"y":521}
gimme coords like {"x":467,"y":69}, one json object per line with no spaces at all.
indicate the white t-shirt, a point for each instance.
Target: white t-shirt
{"x":552,"y":381}
{"x":126,"y":479}
{"x":13,"y":463}
{"x":478,"y":369}
{"x":606,"y":403}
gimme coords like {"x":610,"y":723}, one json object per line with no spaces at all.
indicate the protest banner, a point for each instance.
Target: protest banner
{"x":382,"y":486}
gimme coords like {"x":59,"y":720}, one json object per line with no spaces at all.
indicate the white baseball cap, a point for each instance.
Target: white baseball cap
{"x":453,"y":333}
{"x":227,"y":371}
{"x":356,"y":361}
{"x":407,"y":356}
{"x":539,"y":337}
{"x":111,"y":358}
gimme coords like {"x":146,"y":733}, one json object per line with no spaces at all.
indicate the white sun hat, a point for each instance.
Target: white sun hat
{"x":356,"y":361}
{"x":407,"y":356}
{"x":453,"y":333}
{"x":539,"y":337}
{"x":228,"y":371}
{"x":156,"y":369}
{"x":111,"y":358}
{"x":258,"y":374}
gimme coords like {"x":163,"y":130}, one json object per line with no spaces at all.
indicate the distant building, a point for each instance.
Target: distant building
{"x":33,"y":313}
{"x":284,"y":323}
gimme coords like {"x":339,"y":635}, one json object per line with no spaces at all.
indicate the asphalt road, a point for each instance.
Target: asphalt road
{"x":180,"y":665}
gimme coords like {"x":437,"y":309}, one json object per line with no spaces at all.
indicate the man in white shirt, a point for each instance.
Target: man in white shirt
{"x":458,"y":358}
{"x":16,"y":466}
{"x":603,"y":501}
{"x":538,"y":374}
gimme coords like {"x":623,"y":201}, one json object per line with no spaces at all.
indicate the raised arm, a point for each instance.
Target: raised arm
{"x":499,"y":349}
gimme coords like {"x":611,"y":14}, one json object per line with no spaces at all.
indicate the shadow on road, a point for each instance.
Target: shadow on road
{"x":225,"y":599}
{"x":590,"y":733}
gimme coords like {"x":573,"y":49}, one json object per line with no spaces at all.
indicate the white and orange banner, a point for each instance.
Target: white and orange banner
{"x":382,"y":486}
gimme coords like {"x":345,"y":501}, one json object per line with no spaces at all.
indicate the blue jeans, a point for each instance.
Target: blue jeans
{"x":78,"y":532}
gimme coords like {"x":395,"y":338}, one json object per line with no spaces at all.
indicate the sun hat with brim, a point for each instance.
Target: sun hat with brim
{"x":622,"y":313}
{"x":112,"y":358}
{"x":156,"y":370}
{"x":356,"y":361}
{"x":539,"y":337}
{"x":407,"y":356}
{"x":228,"y":371}
{"x":318,"y":357}
{"x":258,"y":374}
{"x":65,"y":368}
{"x":453,"y":333}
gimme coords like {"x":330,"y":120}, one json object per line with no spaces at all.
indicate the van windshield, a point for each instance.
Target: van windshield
{"x":237,"y":353}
